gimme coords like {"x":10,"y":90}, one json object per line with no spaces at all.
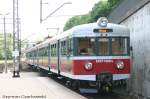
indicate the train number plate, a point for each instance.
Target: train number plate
{"x":104,"y":61}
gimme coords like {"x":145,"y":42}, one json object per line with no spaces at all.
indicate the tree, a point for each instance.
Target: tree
{"x":76,"y":20}
{"x":101,"y":9}
{"x":1,"y":57}
{"x":9,"y":54}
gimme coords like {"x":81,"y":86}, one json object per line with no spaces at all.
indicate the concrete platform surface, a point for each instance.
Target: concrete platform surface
{"x":27,"y":87}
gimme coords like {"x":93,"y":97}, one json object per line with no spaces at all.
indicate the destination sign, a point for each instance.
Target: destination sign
{"x":102,"y":30}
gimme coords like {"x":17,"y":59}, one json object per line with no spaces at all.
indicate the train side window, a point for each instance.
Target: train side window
{"x":55,"y":49}
{"x":38,"y":52}
{"x":41,"y":52}
{"x":63,"y":48}
{"x":30,"y":54}
{"x":70,"y":47}
{"x":45,"y":51}
{"x":52,"y":50}
{"x":103,"y":46}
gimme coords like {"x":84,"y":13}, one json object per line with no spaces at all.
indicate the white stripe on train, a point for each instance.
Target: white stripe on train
{"x":93,"y":77}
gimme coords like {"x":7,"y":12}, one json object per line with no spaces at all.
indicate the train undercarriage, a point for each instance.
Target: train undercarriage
{"x":104,"y":81}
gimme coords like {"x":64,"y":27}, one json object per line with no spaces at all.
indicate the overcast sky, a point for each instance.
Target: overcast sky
{"x":29,"y":12}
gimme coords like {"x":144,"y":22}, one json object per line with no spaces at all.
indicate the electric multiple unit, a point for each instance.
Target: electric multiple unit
{"x":94,"y":54}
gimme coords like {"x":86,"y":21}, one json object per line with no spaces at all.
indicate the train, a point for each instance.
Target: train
{"x":88,"y":55}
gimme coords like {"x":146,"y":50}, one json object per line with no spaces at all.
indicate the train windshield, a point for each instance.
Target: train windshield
{"x":102,"y":46}
{"x":86,"y":46}
{"x":119,"y":46}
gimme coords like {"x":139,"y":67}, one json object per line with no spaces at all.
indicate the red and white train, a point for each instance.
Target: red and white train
{"x":94,"y":54}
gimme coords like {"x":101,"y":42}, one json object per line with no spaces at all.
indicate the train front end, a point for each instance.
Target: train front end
{"x":101,"y":55}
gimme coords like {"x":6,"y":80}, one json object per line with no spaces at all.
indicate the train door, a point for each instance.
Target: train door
{"x":37,"y":57}
{"x":33,"y":57}
{"x":58,"y":56}
{"x":49,"y":54}
{"x":42,"y":56}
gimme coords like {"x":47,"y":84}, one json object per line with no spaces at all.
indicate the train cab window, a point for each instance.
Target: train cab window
{"x":119,"y":46}
{"x":86,"y":46}
{"x":103,"y":47}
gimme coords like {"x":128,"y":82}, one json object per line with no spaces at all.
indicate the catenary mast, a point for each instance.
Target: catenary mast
{"x":16,"y":37}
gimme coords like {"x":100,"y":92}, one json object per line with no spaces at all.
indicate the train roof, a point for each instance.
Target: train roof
{"x":89,"y":28}
{"x":85,"y":30}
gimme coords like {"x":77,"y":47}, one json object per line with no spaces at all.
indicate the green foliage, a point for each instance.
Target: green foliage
{"x":101,"y":9}
{"x":76,"y":20}
{"x":1,"y":56}
{"x":9,"y":44}
{"x":9,"y":54}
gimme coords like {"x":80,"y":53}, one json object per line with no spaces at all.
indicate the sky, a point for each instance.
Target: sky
{"x":29,"y":12}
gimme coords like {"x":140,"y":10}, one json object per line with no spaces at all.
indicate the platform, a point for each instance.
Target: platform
{"x":33,"y":87}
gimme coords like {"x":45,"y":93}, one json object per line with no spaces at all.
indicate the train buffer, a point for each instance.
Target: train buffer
{"x":28,"y":87}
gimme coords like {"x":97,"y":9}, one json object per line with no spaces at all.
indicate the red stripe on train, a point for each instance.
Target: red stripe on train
{"x":102,"y":65}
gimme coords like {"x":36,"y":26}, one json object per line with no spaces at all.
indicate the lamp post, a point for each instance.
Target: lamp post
{"x":41,"y":19}
{"x":5,"y":45}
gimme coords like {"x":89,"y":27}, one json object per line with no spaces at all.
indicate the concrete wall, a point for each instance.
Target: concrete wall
{"x":139,"y":24}
{"x":125,"y":9}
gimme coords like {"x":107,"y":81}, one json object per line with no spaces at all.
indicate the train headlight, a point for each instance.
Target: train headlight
{"x":120,"y":65}
{"x":102,"y":22}
{"x":88,"y":65}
